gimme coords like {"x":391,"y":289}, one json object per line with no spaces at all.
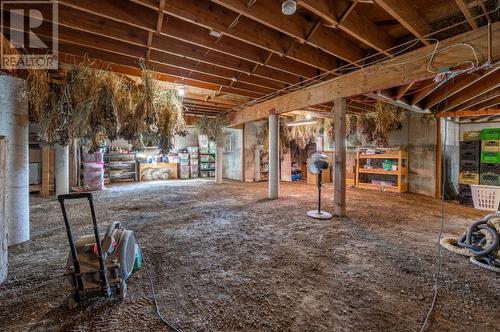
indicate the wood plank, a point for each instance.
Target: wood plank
{"x":45,"y":191}
{"x":466,"y":11}
{"x":340,"y":157}
{"x":376,"y":77}
{"x":439,"y":160}
{"x":215,"y":17}
{"x":454,"y":86}
{"x":408,"y":15}
{"x":470,"y":112}
{"x":355,"y":24}
{"x":295,"y":26}
{"x":480,"y":87}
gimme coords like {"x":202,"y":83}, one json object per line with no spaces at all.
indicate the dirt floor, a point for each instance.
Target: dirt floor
{"x":224,"y":258}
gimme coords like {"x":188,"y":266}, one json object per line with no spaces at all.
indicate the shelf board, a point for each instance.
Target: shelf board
{"x":382,"y":156}
{"x":378,"y":187}
{"x":382,"y":171}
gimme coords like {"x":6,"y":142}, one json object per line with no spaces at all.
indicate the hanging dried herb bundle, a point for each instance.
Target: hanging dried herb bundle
{"x":82,"y":84}
{"x":171,"y":120}
{"x":352,"y":124}
{"x":376,"y":126}
{"x":150,"y":102}
{"x":104,"y":118}
{"x":214,"y":128}
{"x":129,"y":113}
{"x":55,"y":121}
{"x":329,"y":127}
{"x":38,"y":93}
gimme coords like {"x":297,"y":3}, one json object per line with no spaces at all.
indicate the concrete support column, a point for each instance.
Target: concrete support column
{"x":14,"y":125}
{"x":62,"y":169}
{"x":219,"y":155}
{"x":274,"y":156}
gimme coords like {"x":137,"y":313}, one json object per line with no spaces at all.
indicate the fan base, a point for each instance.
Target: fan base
{"x":319,"y":215}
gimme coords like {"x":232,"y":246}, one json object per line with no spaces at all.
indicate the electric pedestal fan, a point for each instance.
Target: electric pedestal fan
{"x":317,"y":163}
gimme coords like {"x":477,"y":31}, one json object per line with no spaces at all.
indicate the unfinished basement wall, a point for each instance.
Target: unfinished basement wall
{"x":233,"y":155}
{"x":250,"y":141}
{"x":14,"y":125}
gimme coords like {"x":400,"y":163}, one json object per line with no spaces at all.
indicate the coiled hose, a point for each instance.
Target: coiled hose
{"x":480,"y":243}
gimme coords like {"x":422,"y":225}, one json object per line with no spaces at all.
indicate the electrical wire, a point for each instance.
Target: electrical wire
{"x":317,"y":79}
{"x":439,"y":261}
{"x":157,"y":308}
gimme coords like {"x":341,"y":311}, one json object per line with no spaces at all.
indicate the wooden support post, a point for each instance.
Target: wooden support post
{"x":45,"y":171}
{"x":439,"y":159}
{"x":340,"y":156}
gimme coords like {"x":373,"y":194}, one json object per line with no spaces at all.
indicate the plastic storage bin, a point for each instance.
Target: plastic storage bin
{"x":485,"y":197}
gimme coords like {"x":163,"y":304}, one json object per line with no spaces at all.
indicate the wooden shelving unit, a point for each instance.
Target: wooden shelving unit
{"x":400,"y":174}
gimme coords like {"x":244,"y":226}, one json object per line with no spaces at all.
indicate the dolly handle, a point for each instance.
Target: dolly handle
{"x":62,"y":198}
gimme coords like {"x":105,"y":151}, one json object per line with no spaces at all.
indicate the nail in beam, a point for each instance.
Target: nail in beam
{"x":273,"y":156}
{"x":340,"y":156}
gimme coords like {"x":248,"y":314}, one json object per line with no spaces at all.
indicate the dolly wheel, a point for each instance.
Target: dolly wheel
{"x":122,"y":291}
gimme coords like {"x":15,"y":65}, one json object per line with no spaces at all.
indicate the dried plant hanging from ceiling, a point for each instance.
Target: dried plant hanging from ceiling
{"x":214,"y":128}
{"x":38,"y":93}
{"x":376,"y":126}
{"x":98,"y":104}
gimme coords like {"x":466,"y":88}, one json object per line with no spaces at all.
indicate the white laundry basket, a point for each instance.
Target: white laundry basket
{"x":485,"y":197}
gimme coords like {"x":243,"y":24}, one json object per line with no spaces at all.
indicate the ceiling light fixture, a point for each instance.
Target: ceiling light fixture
{"x":289,"y":7}
{"x":215,"y":34}
{"x":181,"y":90}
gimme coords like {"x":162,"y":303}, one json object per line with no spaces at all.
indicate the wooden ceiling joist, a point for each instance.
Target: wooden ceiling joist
{"x":401,"y":69}
{"x":470,"y":112}
{"x":295,"y":26}
{"x":354,"y":23}
{"x":485,"y":84}
{"x":455,"y":85}
{"x":408,"y":16}
{"x":466,"y":11}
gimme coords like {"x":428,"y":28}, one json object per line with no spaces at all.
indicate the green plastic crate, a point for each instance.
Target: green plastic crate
{"x":490,"y":157}
{"x":490,"y":134}
{"x":490,"y":179}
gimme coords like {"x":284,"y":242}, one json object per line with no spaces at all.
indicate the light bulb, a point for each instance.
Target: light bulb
{"x":180,"y":91}
{"x":289,"y":7}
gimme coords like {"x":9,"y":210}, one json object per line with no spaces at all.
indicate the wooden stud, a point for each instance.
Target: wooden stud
{"x":439,"y":159}
{"x":45,"y":192}
{"x":340,"y":157}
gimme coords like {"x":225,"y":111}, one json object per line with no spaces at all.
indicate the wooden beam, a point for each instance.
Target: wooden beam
{"x":188,"y":27}
{"x":424,"y":93}
{"x":295,"y":26}
{"x":355,"y":24}
{"x":402,"y":90}
{"x":455,"y":85}
{"x":470,"y":112}
{"x":45,"y":191}
{"x":407,"y":14}
{"x":214,"y":17}
{"x":485,"y":84}
{"x":397,"y":103}
{"x":439,"y":160}
{"x":466,"y":11}
{"x":340,"y":157}
{"x":401,"y":69}
{"x":486,"y":100}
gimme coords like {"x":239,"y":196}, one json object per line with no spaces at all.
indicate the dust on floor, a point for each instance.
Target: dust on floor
{"x":224,"y":258}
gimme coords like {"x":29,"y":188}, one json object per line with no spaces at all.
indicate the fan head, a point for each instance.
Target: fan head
{"x":318,"y":162}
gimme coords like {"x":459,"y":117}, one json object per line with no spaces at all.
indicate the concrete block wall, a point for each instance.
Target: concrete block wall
{"x":14,"y":124}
